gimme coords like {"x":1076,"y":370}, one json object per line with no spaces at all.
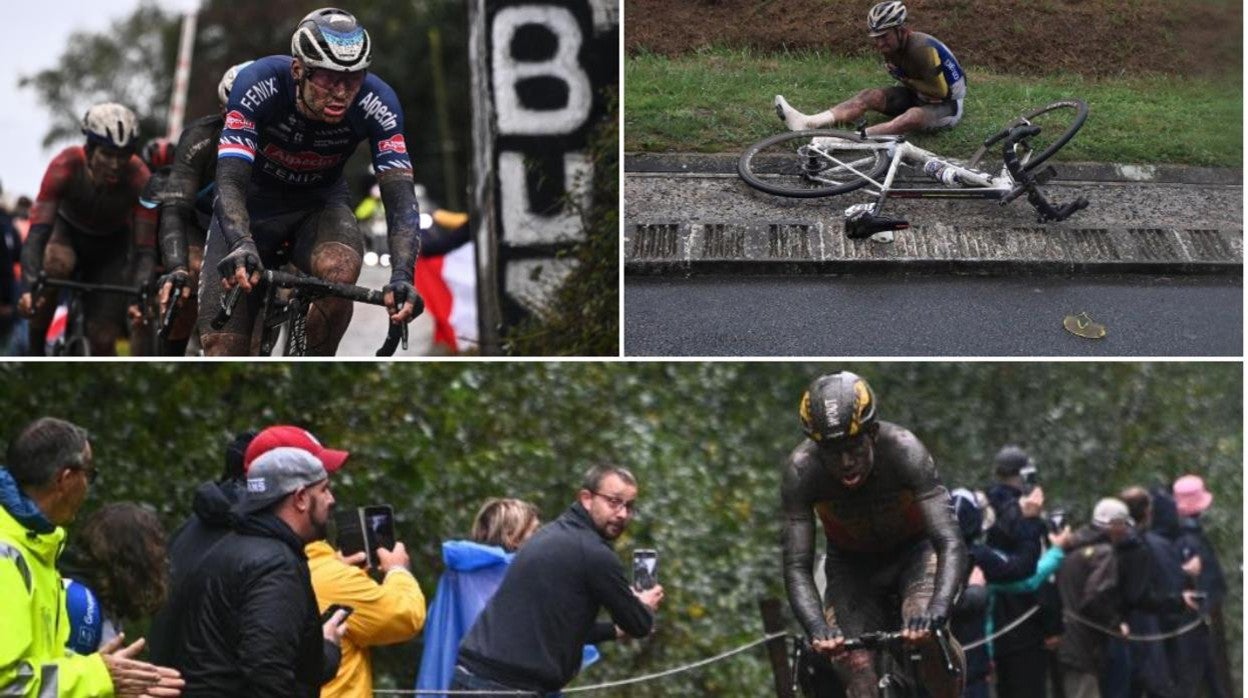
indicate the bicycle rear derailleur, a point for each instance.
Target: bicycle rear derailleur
{"x":861,"y":222}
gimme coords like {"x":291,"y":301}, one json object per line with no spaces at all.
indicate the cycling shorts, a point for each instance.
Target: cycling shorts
{"x":936,"y":115}
{"x":866,"y":590}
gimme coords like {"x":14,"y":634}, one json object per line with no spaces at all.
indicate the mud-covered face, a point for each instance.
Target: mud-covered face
{"x":849,"y":460}
{"x":106,"y":163}
{"x":327,"y":94}
{"x":886,"y":44}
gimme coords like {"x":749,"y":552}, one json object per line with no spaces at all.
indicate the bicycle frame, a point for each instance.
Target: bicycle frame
{"x":973,"y":184}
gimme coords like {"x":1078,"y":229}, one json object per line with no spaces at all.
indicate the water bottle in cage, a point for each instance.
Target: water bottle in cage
{"x":941,"y":172}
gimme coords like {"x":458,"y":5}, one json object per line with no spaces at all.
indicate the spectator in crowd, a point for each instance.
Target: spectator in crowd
{"x":50,"y":468}
{"x":1202,"y":653}
{"x":382,"y":614}
{"x":1017,"y":503}
{"x":530,"y":634}
{"x":1088,"y":581}
{"x":212,"y":517}
{"x":249,"y":622}
{"x":116,"y":571}
{"x":12,"y":325}
{"x":474,"y":569}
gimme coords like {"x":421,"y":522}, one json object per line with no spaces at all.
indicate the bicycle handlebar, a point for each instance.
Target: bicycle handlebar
{"x":317,"y":287}
{"x":44,"y":280}
{"x":889,"y":640}
{"x":1027,"y":183}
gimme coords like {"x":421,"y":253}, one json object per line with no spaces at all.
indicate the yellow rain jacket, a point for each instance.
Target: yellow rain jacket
{"x":34,"y":624}
{"x":386,"y":613}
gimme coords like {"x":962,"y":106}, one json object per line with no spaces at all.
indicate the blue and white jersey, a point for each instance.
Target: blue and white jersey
{"x":290,"y":152}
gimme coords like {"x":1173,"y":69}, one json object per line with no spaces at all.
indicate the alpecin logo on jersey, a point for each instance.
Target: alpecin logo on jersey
{"x":305,"y":161}
{"x":393,"y":144}
{"x":235,"y":121}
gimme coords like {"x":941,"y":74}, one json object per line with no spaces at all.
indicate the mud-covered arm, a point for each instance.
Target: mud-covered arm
{"x":230,"y":207}
{"x":929,"y":79}
{"x":942,"y":531}
{"x":797,"y":541}
{"x":398,"y":194}
{"x":42,"y":215}
{"x":177,"y":207}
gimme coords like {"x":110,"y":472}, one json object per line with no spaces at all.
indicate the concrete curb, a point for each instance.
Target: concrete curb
{"x":805,"y":248}
{"x":726,"y":163}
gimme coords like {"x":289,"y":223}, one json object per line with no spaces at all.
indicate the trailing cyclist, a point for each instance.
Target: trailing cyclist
{"x":932,"y":87}
{"x":185,"y":203}
{"x":290,"y":125}
{"x":87,"y":221}
{"x":894,"y":551}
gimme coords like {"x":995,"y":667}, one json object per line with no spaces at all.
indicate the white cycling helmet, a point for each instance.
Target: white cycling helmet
{"x":332,"y":39}
{"x":885,"y":16}
{"x":227,"y":81}
{"x":111,"y":124}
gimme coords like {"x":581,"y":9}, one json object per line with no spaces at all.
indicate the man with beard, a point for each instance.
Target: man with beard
{"x":530,"y":635}
{"x":250,"y":623}
{"x":890,"y":531}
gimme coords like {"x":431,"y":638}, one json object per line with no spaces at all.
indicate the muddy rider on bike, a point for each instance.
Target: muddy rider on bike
{"x":291,"y":123}
{"x":932,"y":87}
{"x":88,"y":222}
{"x":891,"y":535}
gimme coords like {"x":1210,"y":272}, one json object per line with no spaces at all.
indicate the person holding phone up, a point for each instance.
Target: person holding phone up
{"x":530,"y":635}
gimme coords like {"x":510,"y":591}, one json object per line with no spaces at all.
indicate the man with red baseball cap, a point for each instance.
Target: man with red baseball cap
{"x":284,"y":436}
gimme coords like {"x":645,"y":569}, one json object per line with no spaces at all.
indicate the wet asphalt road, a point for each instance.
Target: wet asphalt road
{"x":931,"y":316}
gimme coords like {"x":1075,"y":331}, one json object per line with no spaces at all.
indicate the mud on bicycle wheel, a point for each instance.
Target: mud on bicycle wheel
{"x":1058,"y":121}
{"x":794,"y":164}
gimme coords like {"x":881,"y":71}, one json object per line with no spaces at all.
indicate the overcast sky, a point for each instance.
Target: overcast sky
{"x":38,"y":32}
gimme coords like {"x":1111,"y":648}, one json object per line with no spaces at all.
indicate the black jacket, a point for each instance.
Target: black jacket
{"x":249,"y":623}
{"x":211,"y":519}
{"x":1014,"y":533}
{"x":1089,"y":584}
{"x":531,"y":632}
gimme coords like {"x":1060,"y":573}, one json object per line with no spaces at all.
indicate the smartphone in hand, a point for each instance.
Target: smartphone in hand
{"x":645,"y":569}
{"x":334,"y":608}
{"x":365,"y":529}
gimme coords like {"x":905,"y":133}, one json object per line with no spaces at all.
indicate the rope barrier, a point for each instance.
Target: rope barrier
{"x":1156,"y":637}
{"x":596,"y":687}
{"x":1013,"y":624}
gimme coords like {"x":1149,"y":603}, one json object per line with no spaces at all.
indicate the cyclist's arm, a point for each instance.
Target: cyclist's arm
{"x":797,"y":540}
{"x":930,"y":80}
{"x":144,"y":232}
{"x":394,"y":177}
{"x":177,"y":208}
{"x":942,"y":527}
{"x":43,"y":214}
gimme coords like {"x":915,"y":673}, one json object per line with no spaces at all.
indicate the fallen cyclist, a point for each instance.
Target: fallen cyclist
{"x":932,"y":87}
{"x":290,"y":125}
{"x":890,"y":533}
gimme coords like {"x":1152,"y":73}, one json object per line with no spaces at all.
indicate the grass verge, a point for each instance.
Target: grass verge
{"x":720,"y":101}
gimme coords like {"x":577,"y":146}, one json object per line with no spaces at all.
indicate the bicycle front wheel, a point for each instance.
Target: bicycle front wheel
{"x":1058,"y":122}
{"x":809,"y":164}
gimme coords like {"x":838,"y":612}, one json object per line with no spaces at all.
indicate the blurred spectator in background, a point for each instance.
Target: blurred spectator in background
{"x":12,"y":324}
{"x":115,"y":572}
{"x":1017,"y":502}
{"x":1203,"y":656}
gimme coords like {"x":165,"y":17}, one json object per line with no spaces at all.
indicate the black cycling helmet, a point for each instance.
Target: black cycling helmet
{"x":837,"y":406}
{"x":332,"y":39}
{"x":158,"y":153}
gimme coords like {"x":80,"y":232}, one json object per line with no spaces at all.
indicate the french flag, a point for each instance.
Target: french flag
{"x":448,"y":285}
